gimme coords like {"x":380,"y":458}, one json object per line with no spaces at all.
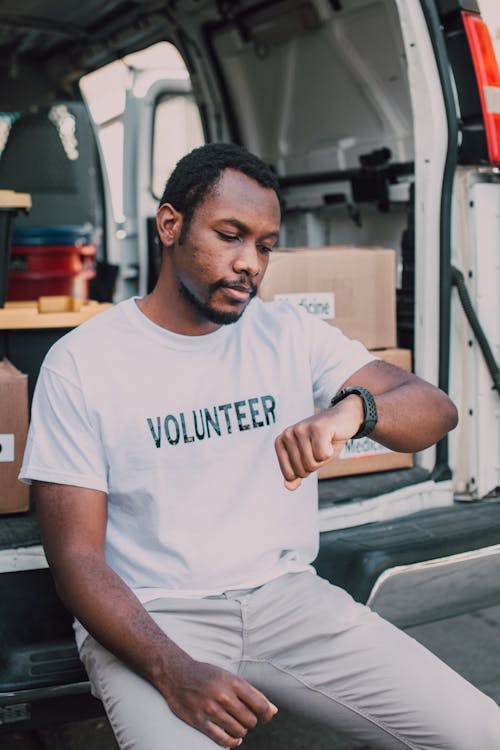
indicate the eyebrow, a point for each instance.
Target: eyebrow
{"x":243,"y":227}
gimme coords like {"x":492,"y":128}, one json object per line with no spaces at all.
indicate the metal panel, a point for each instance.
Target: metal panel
{"x":438,"y":589}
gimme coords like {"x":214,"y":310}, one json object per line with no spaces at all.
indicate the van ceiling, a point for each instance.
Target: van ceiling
{"x":250,"y":46}
{"x":46,"y":45}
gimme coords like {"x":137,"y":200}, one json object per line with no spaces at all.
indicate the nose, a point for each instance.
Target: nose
{"x":248,"y":260}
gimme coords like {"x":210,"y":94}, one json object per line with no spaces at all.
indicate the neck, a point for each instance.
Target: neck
{"x":166,"y":307}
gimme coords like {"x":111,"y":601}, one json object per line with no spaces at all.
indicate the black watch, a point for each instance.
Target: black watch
{"x":369,"y":408}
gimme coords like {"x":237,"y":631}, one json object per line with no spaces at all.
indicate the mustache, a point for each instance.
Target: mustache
{"x":244,"y":286}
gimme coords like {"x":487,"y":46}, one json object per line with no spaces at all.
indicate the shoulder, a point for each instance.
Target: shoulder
{"x":86,"y":340}
{"x":277,"y":313}
{"x":282,"y":314}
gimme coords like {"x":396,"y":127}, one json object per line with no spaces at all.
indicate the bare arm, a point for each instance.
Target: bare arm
{"x":73,"y":523}
{"x":412,"y":415}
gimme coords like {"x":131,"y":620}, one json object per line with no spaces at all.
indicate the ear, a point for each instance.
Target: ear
{"x":169,"y":224}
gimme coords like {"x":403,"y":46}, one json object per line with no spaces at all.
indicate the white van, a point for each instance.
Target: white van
{"x":382,"y":120}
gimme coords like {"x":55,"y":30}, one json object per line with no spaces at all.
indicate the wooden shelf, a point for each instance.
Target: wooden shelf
{"x":13,"y":200}
{"x":57,"y":312}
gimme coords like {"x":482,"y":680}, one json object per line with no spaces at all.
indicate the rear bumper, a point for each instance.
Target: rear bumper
{"x":47,"y":706}
{"x":421,"y":568}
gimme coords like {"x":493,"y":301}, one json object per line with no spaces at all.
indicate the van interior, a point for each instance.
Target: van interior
{"x":353,"y":103}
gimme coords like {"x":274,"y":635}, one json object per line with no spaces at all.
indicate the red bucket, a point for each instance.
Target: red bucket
{"x":39,"y":270}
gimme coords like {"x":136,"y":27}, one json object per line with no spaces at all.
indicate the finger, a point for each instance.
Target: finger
{"x":257,"y":702}
{"x":232,"y":725}
{"x":293,"y":485}
{"x":311,"y":447}
{"x":311,"y":438}
{"x":337,"y":448}
{"x":292,"y":453}
{"x":269,"y":714}
{"x":322,"y":447}
{"x":242,"y":714}
{"x":295,"y":452}
{"x":218,"y":735}
{"x":284,"y":460}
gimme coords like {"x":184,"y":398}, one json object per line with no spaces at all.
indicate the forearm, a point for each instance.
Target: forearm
{"x":73,"y":526}
{"x":113,"y":615}
{"x":412,"y":413}
{"x":411,"y":417}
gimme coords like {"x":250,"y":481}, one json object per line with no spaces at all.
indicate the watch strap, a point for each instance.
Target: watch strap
{"x":369,"y":408}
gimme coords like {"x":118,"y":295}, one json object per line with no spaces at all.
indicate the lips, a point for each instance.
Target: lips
{"x":238,"y":292}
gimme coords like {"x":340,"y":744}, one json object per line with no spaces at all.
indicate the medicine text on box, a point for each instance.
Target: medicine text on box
{"x":321,"y":304}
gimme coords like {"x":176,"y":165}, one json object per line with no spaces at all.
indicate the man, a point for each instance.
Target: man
{"x":173,"y":447}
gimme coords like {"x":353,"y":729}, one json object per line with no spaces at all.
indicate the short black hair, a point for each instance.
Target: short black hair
{"x":197,"y":173}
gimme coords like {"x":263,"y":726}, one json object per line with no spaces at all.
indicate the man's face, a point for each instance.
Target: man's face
{"x":220,"y":264}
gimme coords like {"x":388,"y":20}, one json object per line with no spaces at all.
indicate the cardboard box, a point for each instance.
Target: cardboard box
{"x":353,"y":288}
{"x":399,"y":357}
{"x":14,"y":495}
{"x":364,"y":455}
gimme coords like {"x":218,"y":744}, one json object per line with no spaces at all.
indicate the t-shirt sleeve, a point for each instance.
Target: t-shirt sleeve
{"x":63,"y":446}
{"x":333,"y":357}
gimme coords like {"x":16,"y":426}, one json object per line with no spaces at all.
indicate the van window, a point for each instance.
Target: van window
{"x":107,"y":92}
{"x":178,"y":116}
{"x":48,"y":152}
{"x":104,"y":91}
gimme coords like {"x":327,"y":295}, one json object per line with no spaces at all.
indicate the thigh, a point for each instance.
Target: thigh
{"x":138,"y":714}
{"x":354,"y":670}
{"x":209,"y":630}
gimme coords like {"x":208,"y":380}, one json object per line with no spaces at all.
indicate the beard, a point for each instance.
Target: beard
{"x":211,"y":313}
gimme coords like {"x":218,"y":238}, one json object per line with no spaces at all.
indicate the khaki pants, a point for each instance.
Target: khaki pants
{"x":312,"y":649}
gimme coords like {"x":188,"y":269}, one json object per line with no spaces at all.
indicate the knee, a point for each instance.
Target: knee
{"x":489,"y":729}
{"x":479,"y":727}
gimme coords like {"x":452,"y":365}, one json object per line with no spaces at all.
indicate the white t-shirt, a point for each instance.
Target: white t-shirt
{"x":179,"y":432}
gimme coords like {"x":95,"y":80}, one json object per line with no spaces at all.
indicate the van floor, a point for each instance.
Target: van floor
{"x":364,"y":486}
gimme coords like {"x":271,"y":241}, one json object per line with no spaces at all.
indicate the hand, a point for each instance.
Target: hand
{"x":303,"y":447}
{"x":216,"y":702}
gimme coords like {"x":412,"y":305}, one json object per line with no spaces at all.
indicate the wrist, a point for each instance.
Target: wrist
{"x":367,"y":402}
{"x":170,"y":661}
{"x":353,"y":405}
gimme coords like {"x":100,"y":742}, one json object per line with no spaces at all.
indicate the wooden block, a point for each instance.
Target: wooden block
{"x":11,"y":199}
{"x":58,"y":303}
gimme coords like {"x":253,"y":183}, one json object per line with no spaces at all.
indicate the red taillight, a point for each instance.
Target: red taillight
{"x":488,"y":79}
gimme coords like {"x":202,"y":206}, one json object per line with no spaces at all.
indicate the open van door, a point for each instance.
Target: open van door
{"x":153,"y":122}
{"x":162,"y":124}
